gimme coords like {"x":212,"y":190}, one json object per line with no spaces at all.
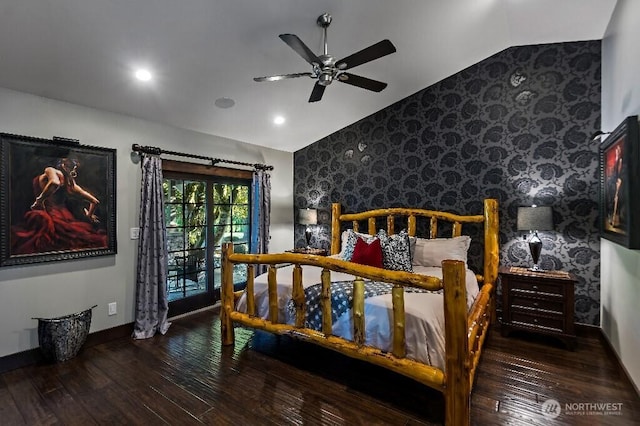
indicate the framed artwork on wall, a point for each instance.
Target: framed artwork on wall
{"x":620,"y":185}
{"x":57,"y":200}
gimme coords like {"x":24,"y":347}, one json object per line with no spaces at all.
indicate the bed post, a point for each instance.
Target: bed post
{"x":226,"y":296}
{"x":491,"y":249}
{"x":457,"y":371}
{"x":336,"y":211}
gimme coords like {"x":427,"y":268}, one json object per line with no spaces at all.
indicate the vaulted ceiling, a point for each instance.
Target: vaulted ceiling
{"x":198,"y":51}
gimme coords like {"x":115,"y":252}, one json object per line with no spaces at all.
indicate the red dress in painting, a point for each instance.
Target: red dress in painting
{"x":53,"y":227}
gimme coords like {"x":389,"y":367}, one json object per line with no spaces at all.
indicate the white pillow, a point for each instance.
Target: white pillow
{"x":431,"y":252}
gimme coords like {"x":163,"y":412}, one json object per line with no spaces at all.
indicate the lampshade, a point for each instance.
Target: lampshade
{"x":535,"y":218}
{"x":308,"y":216}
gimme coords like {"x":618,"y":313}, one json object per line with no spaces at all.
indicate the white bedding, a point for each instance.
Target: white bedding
{"x":424,"y":312}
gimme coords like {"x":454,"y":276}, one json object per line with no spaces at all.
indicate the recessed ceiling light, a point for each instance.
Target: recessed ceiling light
{"x":143,"y":74}
{"x":279,"y":120}
{"x":225,"y":102}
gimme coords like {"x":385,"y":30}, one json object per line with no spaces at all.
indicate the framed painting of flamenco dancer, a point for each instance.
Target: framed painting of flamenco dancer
{"x":620,"y":185}
{"x":57,"y":200}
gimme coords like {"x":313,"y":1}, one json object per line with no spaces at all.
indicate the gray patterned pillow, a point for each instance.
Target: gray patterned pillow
{"x":396,"y":251}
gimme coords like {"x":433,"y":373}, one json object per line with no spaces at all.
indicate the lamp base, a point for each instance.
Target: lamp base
{"x":307,"y":235}
{"x":536,"y":268}
{"x":535,"y":247}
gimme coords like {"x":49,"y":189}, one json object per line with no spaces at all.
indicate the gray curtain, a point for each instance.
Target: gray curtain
{"x":151,"y":278}
{"x":261,"y":211}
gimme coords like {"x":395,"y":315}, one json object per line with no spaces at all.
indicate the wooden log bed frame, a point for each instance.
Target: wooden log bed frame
{"x":465,"y":330}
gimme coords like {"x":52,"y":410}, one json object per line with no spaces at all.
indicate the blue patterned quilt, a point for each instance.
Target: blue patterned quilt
{"x":341,"y":300}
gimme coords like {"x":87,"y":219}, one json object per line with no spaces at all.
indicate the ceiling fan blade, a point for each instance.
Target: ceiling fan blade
{"x":296,"y":44}
{"x":378,"y":50}
{"x":316,"y":94}
{"x":359,"y":81}
{"x":283,"y":76}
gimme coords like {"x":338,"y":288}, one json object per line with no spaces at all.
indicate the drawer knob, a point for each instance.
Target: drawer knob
{"x":535,"y":287}
{"x":535,"y":320}
{"x":535,"y":304}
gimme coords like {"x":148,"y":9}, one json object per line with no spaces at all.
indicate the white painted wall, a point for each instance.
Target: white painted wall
{"x":59,"y":288}
{"x":620,"y":268}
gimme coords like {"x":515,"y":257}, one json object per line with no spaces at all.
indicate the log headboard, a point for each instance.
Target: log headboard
{"x":489,"y":218}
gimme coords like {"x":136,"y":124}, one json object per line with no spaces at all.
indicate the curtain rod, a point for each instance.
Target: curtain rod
{"x":157,"y":151}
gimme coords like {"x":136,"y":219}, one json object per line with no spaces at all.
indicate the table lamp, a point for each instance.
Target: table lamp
{"x":534,"y":219}
{"x":308,"y":217}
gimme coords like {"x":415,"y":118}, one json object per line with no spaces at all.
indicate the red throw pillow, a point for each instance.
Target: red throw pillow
{"x":368,"y":254}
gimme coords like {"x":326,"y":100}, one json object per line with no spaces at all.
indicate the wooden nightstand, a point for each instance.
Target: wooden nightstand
{"x":304,"y":250}
{"x":541,"y":302}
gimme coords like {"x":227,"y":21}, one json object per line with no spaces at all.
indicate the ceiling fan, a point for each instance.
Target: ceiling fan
{"x":326,"y":69}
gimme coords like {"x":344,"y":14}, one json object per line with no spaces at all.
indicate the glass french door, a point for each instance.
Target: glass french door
{"x":201,"y":214}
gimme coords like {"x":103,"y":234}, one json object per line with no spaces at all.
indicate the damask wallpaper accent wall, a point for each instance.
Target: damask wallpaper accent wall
{"x":515,"y":127}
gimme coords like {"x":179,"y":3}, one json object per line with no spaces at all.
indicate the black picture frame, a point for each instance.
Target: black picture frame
{"x":619,"y":185}
{"x":57,"y":200}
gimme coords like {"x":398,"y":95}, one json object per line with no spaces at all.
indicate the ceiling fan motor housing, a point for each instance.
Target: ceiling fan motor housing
{"x":325,"y":78}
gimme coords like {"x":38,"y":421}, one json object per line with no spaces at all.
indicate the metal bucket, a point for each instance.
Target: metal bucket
{"x":61,"y":338}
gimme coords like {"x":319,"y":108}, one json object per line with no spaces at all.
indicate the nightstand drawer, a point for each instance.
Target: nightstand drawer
{"x":533,"y":319}
{"x":547,"y":304}
{"x":537,"y":287}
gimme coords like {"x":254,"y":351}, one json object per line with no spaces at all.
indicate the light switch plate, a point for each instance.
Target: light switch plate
{"x":135,"y":233}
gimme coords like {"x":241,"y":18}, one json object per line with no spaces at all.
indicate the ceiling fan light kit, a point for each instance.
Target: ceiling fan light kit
{"x":325,"y":69}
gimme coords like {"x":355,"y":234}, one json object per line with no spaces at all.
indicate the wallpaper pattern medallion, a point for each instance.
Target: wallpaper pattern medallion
{"x":515,"y":127}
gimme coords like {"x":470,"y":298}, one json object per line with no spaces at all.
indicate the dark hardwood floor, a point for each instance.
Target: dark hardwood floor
{"x":186,"y":377}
